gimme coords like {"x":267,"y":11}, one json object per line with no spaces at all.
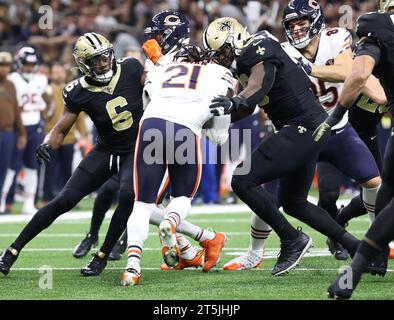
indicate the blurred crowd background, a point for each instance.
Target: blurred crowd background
{"x":123,"y":23}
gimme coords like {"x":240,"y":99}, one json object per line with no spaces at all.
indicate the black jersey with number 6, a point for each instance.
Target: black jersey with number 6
{"x":376,"y":31}
{"x":290,"y":100}
{"x":115,"y":108}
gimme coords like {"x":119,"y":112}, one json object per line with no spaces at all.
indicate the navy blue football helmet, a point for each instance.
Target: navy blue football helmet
{"x":169,"y":28}
{"x":298,"y":9}
{"x":26,"y":55}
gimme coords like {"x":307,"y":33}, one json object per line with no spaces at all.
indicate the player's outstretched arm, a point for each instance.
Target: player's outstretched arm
{"x":354,"y":84}
{"x":336,"y":72}
{"x":374,"y":90}
{"x":55,"y":137}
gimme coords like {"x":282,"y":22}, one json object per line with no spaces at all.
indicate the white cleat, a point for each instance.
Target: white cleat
{"x":246,"y":261}
{"x":170,"y":249}
{"x":130,"y":277}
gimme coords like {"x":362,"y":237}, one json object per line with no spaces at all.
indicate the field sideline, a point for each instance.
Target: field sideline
{"x":54,"y":246}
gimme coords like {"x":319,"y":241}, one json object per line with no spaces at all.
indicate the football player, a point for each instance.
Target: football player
{"x":179,"y":95}
{"x":110,"y":93}
{"x":374,"y":55}
{"x":31,"y":89}
{"x":171,"y":30}
{"x":329,"y":49}
{"x":272,"y":80}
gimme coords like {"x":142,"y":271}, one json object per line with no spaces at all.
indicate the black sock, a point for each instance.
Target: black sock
{"x":365,"y":254}
{"x":354,"y":209}
{"x":349,"y":242}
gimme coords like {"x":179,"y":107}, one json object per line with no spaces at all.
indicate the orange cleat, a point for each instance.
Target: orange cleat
{"x":213,"y":248}
{"x":130,"y":277}
{"x":196,"y":262}
{"x":391,"y":254}
{"x":170,"y":249}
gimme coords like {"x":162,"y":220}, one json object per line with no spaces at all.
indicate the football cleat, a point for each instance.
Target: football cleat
{"x":94,"y":267}
{"x":170,"y":249}
{"x":196,"y":262}
{"x":213,"y":248}
{"x":291,"y":252}
{"x":337,"y":250}
{"x":83,"y":248}
{"x":118,"y":250}
{"x":391,"y":255}
{"x":130,"y":277}
{"x":246,"y":261}
{"x":7,"y":260}
{"x":378,"y":265}
{"x":342,"y":288}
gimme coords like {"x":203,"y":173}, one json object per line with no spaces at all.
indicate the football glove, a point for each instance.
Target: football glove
{"x":152,"y":50}
{"x":224,"y":105}
{"x":42,"y":154}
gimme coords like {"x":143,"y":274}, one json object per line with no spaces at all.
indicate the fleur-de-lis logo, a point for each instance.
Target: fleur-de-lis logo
{"x":301,"y":129}
{"x":225,"y":26}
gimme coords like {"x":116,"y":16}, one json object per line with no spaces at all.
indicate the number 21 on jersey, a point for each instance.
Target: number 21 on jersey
{"x":182,"y":77}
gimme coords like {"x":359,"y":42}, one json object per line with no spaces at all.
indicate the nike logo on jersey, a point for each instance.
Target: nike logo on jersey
{"x":339,"y":131}
{"x":373,"y":138}
{"x":256,"y":43}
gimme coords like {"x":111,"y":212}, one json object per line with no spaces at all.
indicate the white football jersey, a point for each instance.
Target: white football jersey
{"x":29,"y":95}
{"x":182,"y":92}
{"x":333,"y":41}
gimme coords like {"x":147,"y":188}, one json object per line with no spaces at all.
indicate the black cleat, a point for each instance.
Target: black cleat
{"x":336,"y":249}
{"x":83,"y":248}
{"x":378,"y":266}
{"x":7,"y":260}
{"x":94,"y":267}
{"x":343,"y":286}
{"x":291,"y":252}
{"x":118,"y":250}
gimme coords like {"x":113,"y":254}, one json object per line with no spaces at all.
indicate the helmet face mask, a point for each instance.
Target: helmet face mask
{"x":169,"y":28}
{"x":95,"y":57}
{"x":299,"y":11}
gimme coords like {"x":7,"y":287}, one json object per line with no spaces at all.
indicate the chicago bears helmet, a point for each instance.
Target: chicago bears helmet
{"x":169,"y":28}
{"x":298,"y":9}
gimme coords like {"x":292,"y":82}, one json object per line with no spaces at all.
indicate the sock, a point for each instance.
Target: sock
{"x":9,"y":178}
{"x":259,"y":232}
{"x":369,"y":199}
{"x":349,"y":242}
{"x":187,"y":250}
{"x":30,"y":185}
{"x":177,"y":210}
{"x":204,"y":234}
{"x":137,"y":231}
{"x":101,"y":206}
{"x":365,"y":254}
{"x":354,"y":209}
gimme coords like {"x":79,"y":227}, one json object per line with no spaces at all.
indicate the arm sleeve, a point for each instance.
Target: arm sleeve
{"x":370,"y":48}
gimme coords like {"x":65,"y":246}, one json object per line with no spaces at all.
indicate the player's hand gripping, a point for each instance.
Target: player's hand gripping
{"x":224,"y":105}
{"x":42,"y":154}
{"x":152,"y":50}
{"x":304,"y":65}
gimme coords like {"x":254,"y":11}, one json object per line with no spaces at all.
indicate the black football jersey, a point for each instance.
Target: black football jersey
{"x":115,"y":108}
{"x":378,"y":28}
{"x":290,"y":100}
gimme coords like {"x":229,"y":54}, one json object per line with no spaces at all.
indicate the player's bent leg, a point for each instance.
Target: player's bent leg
{"x":370,"y":190}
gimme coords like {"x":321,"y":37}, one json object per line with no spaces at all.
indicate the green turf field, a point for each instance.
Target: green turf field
{"x":54,"y":246}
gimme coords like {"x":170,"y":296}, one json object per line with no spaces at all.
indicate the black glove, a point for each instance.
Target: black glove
{"x":332,"y":120}
{"x":224,"y":105}
{"x":42,"y":154}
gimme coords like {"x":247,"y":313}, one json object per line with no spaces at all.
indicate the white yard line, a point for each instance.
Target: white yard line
{"x":198,"y":210}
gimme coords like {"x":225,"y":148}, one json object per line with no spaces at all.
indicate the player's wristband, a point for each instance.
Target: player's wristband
{"x":336,"y":115}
